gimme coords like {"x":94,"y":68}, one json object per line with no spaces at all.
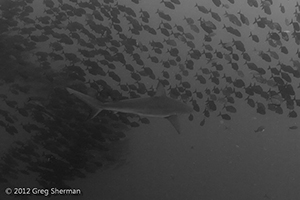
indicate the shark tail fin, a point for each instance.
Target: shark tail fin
{"x":92,"y":102}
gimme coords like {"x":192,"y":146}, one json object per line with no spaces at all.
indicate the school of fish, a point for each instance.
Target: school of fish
{"x":211,"y":57}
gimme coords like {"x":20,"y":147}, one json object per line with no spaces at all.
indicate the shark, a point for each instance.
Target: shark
{"x":160,"y":105}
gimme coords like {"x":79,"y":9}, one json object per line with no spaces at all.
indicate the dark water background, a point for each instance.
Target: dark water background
{"x":117,"y":156}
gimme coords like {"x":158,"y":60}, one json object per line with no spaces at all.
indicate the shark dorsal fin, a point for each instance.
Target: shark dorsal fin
{"x":160,"y":90}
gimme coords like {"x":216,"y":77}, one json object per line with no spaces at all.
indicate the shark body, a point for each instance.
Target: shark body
{"x":157,"y":106}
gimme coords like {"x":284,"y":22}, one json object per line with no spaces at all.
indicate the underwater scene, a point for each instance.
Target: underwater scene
{"x":150,"y":99}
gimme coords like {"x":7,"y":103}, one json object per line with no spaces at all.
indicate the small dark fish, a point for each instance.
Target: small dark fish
{"x":11,"y":104}
{"x":217,"y":2}
{"x":292,"y":114}
{"x":255,"y":38}
{"x":202,"y":9}
{"x":235,"y":56}
{"x":168,"y":4}
{"x":194,"y":28}
{"x":164,"y":31}
{"x":191,"y":117}
{"x":166,"y":25}
{"x":136,"y":1}
{"x":225,"y":116}
{"x":260,"y":23}
{"x":274,"y":36}
{"x":233,"y":31}
{"x":215,"y":15}
{"x":189,"y":36}
{"x":163,"y":15}
{"x":286,"y":77}
{"x":265,"y":56}
{"x":243,"y":18}
{"x":49,"y":3}
{"x":186,"y":84}
{"x":135,"y":76}
{"x":285,"y":36}
{"x":261,"y":109}
{"x":260,"y":129}
{"x":273,"y":54}
{"x":11,"y":129}
{"x":170,"y":42}
{"x":195,"y":106}
{"x":282,"y":9}
{"x":179,"y":28}
{"x":211,"y":105}
{"x":206,"y":113}
{"x":189,"y":20}
{"x":202,"y":122}
{"x":239,"y":45}
{"x":207,"y":26}
{"x":23,"y":111}
{"x":239,"y":83}
{"x":250,"y":102}
{"x":233,"y":19}
{"x":265,"y":5}
{"x":284,"y":50}
{"x":154,"y":59}
{"x":293,"y":127}
{"x":278,"y":80}
{"x":230,"y":109}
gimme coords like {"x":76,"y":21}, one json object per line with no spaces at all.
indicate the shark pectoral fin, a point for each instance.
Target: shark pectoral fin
{"x":174,"y":121}
{"x":94,"y":113}
{"x":93,"y":103}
